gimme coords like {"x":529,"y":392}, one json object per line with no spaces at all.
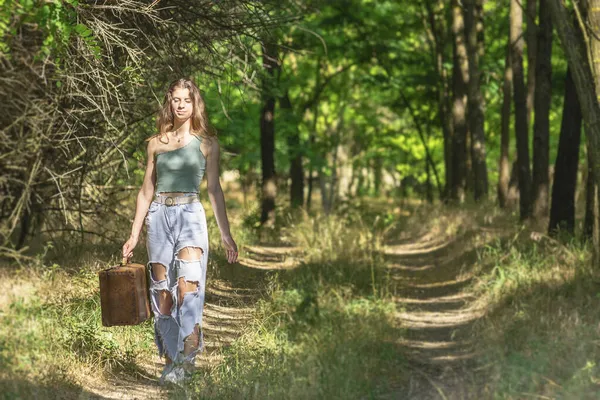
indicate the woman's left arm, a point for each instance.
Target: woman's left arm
{"x":217,"y":199}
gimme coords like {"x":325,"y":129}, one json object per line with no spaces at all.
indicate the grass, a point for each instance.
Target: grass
{"x":299,"y":346}
{"x":325,"y":329}
{"x":52,"y":335}
{"x":541,"y":334}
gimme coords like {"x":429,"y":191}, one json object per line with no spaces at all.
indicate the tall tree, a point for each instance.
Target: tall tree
{"x":295,"y":155}
{"x":541,"y":126}
{"x":593,"y":39}
{"x":520,"y":101}
{"x":460,"y":78}
{"x":437,"y":36}
{"x":583,"y":73}
{"x":562,"y":212}
{"x":591,"y":203}
{"x":474,"y":27}
{"x":267,"y":133}
{"x":531,"y":35}
{"x":504,"y":162}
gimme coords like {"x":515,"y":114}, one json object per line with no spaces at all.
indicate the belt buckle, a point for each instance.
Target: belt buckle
{"x":169,"y":201}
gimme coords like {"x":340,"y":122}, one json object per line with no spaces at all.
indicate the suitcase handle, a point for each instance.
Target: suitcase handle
{"x":123,"y":263}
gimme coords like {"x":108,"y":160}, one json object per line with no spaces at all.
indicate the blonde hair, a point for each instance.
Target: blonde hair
{"x":200,"y":125}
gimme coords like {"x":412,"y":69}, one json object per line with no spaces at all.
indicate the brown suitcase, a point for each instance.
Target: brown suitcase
{"x":124,"y":296}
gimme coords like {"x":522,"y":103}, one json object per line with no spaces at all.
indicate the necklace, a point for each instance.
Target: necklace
{"x":177,"y":137}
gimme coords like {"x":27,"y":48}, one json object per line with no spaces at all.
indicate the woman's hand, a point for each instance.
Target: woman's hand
{"x":129,"y":246}
{"x":230,"y":248}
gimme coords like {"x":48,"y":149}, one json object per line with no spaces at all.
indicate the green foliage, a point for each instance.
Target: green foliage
{"x":355,"y":69}
{"x":56,"y":20}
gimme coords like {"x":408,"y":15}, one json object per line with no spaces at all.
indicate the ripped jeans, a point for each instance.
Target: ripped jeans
{"x":170,"y":230}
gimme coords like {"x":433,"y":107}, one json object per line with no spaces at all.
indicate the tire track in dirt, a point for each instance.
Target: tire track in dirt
{"x":436,"y":312}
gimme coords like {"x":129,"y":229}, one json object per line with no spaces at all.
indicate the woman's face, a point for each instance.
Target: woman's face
{"x":181,"y":104}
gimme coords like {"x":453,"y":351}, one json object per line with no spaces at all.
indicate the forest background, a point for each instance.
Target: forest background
{"x":346,"y":128}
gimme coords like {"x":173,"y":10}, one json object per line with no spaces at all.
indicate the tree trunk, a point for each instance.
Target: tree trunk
{"x":429,"y":187}
{"x":575,"y":49}
{"x":591,"y":228}
{"x":267,"y":135}
{"x":346,"y":174}
{"x":532,"y":43}
{"x":590,"y":203}
{"x":353,"y":178}
{"x":460,"y":75}
{"x":513,"y":184}
{"x":474,"y":25}
{"x":593,"y":23}
{"x":360,"y":184}
{"x":541,"y":126}
{"x":504,"y":163}
{"x":309,"y":189}
{"x":469,"y":165}
{"x":335,"y":165}
{"x":562,"y":212}
{"x":377,"y":174}
{"x":448,"y":131}
{"x":520,"y":99}
{"x":444,"y":106}
{"x":325,"y":200}
{"x":295,"y":154}
{"x":313,"y":136}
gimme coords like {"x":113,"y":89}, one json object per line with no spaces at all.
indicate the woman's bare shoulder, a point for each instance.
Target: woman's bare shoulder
{"x":154,"y":143}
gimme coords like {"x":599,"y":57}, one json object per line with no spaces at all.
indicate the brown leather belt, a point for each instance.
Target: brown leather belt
{"x":173,"y":201}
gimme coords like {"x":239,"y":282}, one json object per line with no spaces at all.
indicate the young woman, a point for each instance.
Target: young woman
{"x":182,"y":152}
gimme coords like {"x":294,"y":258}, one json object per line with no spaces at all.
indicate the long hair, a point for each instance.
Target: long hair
{"x":200,"y":124}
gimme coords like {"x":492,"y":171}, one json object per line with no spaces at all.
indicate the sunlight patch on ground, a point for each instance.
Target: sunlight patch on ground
{"x":289,"y":263}
{"x":433,"y":319}
{"x":419,"y":344}
{"x":412,"y":268}
{"x":460,"y":297}
{"x":274,"y":250}
{"x":458,"y":281}
{"x":401,"y":250}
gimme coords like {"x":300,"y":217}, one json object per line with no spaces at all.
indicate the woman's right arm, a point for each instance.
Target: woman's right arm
{"x":144,"y":198}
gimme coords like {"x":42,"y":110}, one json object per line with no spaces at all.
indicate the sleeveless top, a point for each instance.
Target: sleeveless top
{"x":182,"y":169}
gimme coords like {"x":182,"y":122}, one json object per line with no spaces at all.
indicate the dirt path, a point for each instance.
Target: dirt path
{"x":229,"y":303}
{"x":436,"y":311}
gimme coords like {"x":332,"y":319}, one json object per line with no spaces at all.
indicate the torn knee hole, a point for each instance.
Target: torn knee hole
{"x":163,"y":299}
{"x":186,"y":287}
{"x":190,"y":253}
{"x":158,"y":272}
{"x":193,"y":339}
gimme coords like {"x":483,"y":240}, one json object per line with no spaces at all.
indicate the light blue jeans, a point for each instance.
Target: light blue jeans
{"x":169,"y":230}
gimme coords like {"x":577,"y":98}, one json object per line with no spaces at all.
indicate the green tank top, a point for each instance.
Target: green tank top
{"x":182,"y":169}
